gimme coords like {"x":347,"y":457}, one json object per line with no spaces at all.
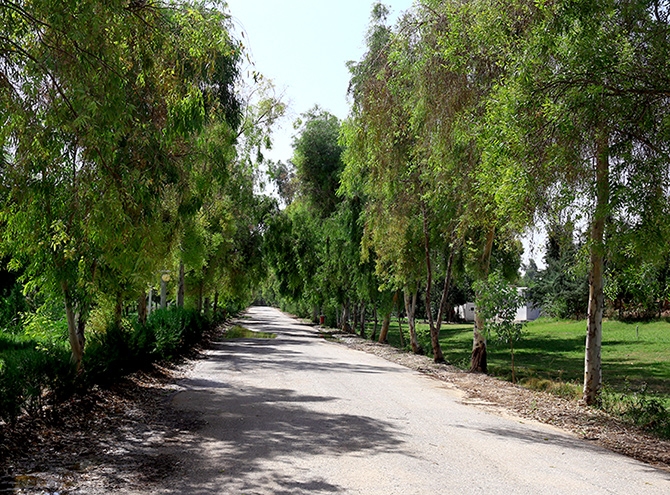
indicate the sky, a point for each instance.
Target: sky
{"x":303,"y":47}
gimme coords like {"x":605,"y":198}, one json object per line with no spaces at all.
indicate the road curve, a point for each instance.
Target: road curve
{"x":301,"y":415}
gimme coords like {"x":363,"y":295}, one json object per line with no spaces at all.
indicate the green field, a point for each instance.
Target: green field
{"x":634,"y":354}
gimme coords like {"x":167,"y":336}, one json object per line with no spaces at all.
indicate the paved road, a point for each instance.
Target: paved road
{"x":301,"y":415}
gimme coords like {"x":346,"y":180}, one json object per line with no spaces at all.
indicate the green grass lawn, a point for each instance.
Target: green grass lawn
{"x":633,"y":354}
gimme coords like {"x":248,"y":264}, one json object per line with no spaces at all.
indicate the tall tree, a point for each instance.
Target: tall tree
{"x":583,"y":107}
{"x":101,"y":103}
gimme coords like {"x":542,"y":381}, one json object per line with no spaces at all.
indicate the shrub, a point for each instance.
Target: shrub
{"x":33,"y":374}
{"x":36,"y":370}
{"x":123,"y":349}
{"x":174,"y":330}
{"x":639,"y":408}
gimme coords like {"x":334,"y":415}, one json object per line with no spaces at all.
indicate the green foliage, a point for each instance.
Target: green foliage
{"x":36,"y":370}
{"x":112,"y":114}
{"x":12,"y":301}
{"x":639,"y":408}
{"x":33,"y":374}
{"x":240,"y":332}
{"x":46,"y":324}
{"x":497,"y":303}
{"x":318,"y":159}
{"x":175,"y":330}
{"x":561,"y":389}
{"x":561,"y":289}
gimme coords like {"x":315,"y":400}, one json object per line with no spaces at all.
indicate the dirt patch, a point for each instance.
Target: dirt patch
{"x":505,"y":398}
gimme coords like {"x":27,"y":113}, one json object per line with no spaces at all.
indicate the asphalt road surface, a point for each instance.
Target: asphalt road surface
{"x":301,"y":415}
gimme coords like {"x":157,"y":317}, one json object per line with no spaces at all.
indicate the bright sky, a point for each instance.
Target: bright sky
{"x":303,"y":47}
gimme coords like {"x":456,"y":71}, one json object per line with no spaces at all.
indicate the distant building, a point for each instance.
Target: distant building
{"x":526,"y":312}
{"x":466,"y":312}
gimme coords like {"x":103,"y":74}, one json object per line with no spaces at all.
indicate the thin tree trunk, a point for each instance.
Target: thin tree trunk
{"x":374,"y":328}
{"x":383,"y":335}
{"x":163,"y":293}
{"x":201,"y":289}
{"x":345,"y":318}
{"x":362,"y":321}
{"x":478,"y":358}
{"x":594,"y":329}
{"x":75,"y":331}
{"x":511,"y":350}
{"x":402,"y":337}
{"x":216,"y":302}
{"x":180,"y":288}
{"x":207,"y":304}
{"x":445,"y":290}
{"x":142,"y":308}
{"x":438,"y":357}
{"x":410,"y":308}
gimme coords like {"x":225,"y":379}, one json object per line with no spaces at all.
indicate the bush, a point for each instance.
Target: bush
{"x":118,"y":351}
{"x":33,"y":375}
{"x":174,"y":330}
{"x":638,"y":408}
{"x":36,"y":370}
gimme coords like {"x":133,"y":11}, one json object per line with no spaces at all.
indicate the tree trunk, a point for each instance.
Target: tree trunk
{"x":383,"y":335}
{"x":402,"y":337}
{"x":478,"y":358}
{"x":207,"y":304}
{"x":75,"y":330}
{"x":438,"y":357}
{"x":594,"y":329}
{"x":163,"y":293}
{"x":216,"y":302}
{"x":386,"y":323}
{"x":180,"y":288}
{"x":142,"y":308}
{"x":201,"y":289}
{"x":362,"y":320}
{"x":410,"y":308}
{"x":445,"y":290}
{"x":374,"y":328}
{"x":345,"y":318}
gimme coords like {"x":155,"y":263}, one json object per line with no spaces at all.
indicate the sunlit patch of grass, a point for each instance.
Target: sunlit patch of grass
{"x":240,"y":332}
{"x":633,"y":354}
{"x":561,"y":389}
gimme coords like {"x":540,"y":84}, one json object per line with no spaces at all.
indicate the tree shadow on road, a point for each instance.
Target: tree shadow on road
{"x":255,"y":436}
{"x":252,"y":354}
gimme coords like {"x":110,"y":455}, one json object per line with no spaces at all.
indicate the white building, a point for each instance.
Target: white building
{"x":525,"y":312}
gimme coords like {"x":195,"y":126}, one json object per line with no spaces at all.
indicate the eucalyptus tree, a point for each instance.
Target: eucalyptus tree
{"x":317,"y":156}
{"x":378,"y":156}
{"x":100,"y":103}
{"x":419,"y":104}
{"x":583,"y":111}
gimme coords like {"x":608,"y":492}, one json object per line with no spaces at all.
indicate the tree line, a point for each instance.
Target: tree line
{"x":128,"y":157}
{"x":131,"y":147}
{"x":471,"y":122}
